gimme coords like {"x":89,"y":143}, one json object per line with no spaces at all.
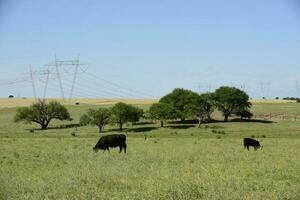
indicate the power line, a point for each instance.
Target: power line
{"x":120,"y":86}
{"x":98,"y":90}
{"x":105,"y":88}
{"x":90,"y":86}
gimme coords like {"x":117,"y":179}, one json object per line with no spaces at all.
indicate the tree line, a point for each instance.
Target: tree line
{"x":119,"y":114}
{"x":183,"y":104}
{"x":179,"y":104}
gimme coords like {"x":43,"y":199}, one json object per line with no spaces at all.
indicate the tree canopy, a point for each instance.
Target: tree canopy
{"x":179,"y":98}
{"x":228,"y":99}
{"x":42,"y":113}
{"x":123,"y":113}
{"x":162,"y":112}
{"x":135,"y":114}
{"x":198,"y":109}
{"x":99,"y":117}
{"x":207,"y":104}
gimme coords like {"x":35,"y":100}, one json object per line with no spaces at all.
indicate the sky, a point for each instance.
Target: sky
{"x":145,"y":49}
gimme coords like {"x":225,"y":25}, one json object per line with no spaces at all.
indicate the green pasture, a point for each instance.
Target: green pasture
{"x":179,"y":161}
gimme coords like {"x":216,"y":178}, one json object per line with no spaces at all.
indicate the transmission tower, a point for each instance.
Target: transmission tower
{"x":265,"y":89}
{"x":59,"y":64}
{"x":298,"y":88}
{"x":74,"y":78}
{"x":32,"y":82}
{"x":36,"y":74}
{"x":243,"y":86}
{"x":209,"y":88}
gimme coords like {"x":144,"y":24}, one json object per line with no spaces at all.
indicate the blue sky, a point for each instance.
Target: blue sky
{"x":137,"y":48}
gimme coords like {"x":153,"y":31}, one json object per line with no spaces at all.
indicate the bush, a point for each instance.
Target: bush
{"x":84,"y":120}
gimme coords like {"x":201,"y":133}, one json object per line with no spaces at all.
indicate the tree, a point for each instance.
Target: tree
{"x":197,"y":108}
{"x":135,"y":114}
{"x":42,"y":113}
{"x":227,"y":99}
{"x":123,"y":113}
{"x":207,"y":104}
{"x":244,"y":113}
{"x":162,"y":112}
{"x":84,"y":120}
{"x":179,"y":98}
{"x":99,"y":117}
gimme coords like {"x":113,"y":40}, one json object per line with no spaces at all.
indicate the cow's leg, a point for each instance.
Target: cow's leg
{"x":255,"y":148}
{"x":107,"y":149}
{"x":248,"y":147}
{"x":124,"y":147}
{"x":120,"y":148}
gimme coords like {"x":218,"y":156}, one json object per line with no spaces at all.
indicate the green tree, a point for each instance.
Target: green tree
{"x":99,"y":117}
{"x":198,"y":109}
{"x":179,"y":98}
{"x":228,"y":99}
{"x":162,"y":112}
{"x":84,"y":120}
{"x":208,"y":104}
{"x":42,"y":113}
{"x":135,"y":114}
{"x":123,"y":113}
{"x":243,"y":113}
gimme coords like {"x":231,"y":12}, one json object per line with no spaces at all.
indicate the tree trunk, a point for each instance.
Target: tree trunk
{"x":226,"y":118}
{"x":208,"y":118}
{"x":100,"y":129}
{"x":161,"y":123}
{"x":121,"y":126}
{"x":199,"y":123}
{"x":44,"y":126}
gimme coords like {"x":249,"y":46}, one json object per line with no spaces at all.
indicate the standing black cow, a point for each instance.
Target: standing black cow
{"x":251,"y":142}
{"x":111,"y":141}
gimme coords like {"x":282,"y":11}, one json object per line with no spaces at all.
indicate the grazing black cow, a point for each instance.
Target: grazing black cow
{"x":111,"y":141}
{"x":251,"y":142}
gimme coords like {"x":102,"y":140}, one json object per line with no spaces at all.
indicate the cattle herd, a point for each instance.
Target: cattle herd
{"x":119,"y":140}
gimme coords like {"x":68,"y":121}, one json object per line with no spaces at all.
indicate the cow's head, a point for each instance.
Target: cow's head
{"x":95,"y":149}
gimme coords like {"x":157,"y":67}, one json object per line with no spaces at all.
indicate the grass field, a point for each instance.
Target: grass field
{"x":176,"y":162}
{"x":16,"y":102}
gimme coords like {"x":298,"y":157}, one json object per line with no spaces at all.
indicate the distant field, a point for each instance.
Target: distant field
{"x":16,"y":102}
{"x":179,"y":161}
